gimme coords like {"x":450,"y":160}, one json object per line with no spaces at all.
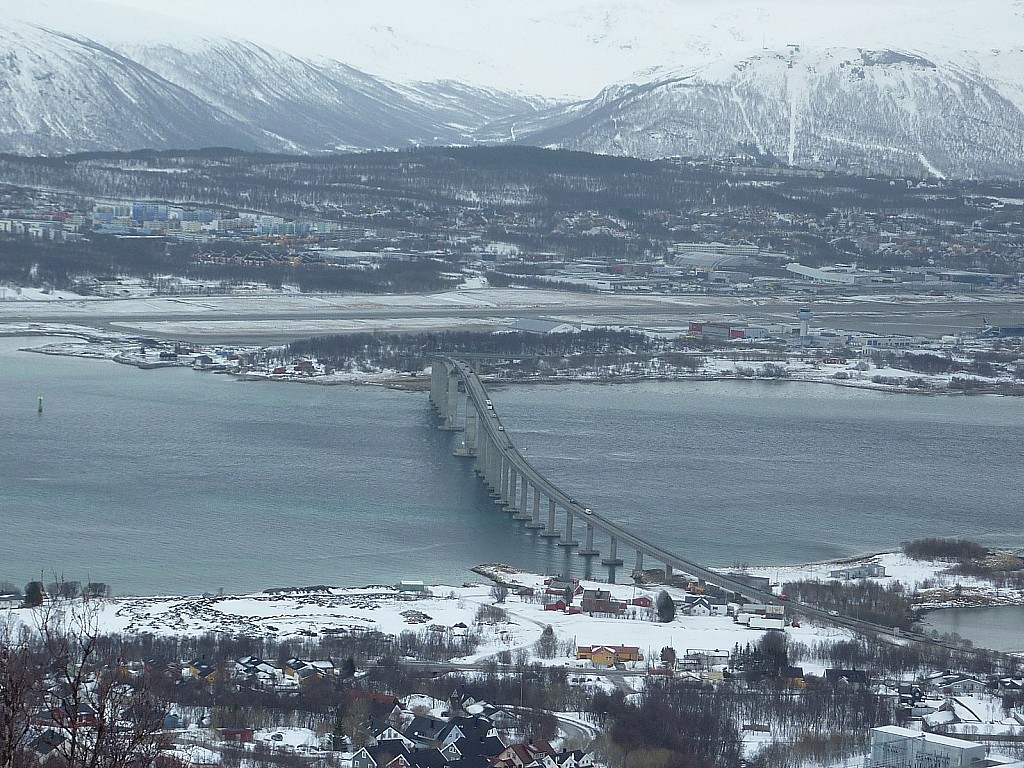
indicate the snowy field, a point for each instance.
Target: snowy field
{"x":124,"y":347}
{"x":385,"y":609}
{"x":306,"y":613}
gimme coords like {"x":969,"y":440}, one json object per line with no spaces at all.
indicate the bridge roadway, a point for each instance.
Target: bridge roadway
{"x":492,"y":440}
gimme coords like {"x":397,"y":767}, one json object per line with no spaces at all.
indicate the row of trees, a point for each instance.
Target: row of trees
{"x":944,"y":549}
{"x":36,"y":592}
{"x":888,"y":605}
{"x":69,"y":266}
{"x":412,"y":352}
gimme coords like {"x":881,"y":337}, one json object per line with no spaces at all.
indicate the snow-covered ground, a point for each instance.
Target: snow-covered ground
{"x":304,"y":613}
{"x":307,"y":613}
{"x":124,"y":347}
{"x":311,"y":612}
{"x":19,"y":294}
{"x":936,"y":587}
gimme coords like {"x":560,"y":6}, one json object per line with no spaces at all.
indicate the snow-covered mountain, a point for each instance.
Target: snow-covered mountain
{"x":64,"y":93}
{"x":920,"y":87}
{"x":316,"y":106}
{"x":821,"y":108}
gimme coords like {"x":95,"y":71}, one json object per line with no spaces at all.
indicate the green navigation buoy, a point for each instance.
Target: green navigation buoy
{"x":40,"y":404}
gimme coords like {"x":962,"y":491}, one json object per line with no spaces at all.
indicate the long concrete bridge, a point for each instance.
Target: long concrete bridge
{"x":461,"y":400}
{"x":459,"y":396}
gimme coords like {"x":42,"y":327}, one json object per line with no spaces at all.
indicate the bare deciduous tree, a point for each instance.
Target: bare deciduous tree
{"x":105,"y":714}
{"x":20,"y":688}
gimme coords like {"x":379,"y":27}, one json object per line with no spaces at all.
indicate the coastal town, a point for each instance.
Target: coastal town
{"x":590,"y":384}
{"x":415,"y":669}
{"x":699,"y":351}
{"x":369,"y":270}
{"x":857,"y":291}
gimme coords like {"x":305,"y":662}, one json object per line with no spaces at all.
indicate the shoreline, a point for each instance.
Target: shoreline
{"x":405,"y":383}
{"x":420,"y":383}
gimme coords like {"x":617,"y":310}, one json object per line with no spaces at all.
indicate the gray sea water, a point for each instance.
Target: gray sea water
{"x":173,"y":481}
{"x":1000,"y":628}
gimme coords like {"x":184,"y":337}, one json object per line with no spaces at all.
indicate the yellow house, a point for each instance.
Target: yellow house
{"x":607,"y":655}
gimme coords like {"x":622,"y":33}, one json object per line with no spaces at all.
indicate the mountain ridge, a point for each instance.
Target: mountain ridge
{"x":897,"y":110}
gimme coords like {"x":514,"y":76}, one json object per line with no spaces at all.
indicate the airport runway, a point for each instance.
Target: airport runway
{"x":277,"y":319}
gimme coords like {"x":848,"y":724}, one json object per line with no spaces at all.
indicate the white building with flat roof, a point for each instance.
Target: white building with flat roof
{"x":896,"y":747}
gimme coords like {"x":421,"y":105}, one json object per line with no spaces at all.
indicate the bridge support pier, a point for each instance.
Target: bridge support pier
{"x":435,"y":384}
{"x":486,"y":461}
{"x":639,"y":562}
{"x":613,"y":558}
{"x":480,"y":467}
{"x":451,"y":408}
{"x":566,"y":540}
{"x":668,"y":573}
{"x":502,"y":491}
{"x":494,"y":467}
{"x":514,"y":479}
{"x":588,"y":547}
{"x":524,"y":501}
{"x":550,"y":530}
{"x":468,"y":447}
{"x":535,"y":518}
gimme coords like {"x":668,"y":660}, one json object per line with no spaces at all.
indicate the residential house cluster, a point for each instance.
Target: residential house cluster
{"x":467,"y":737}
{"x":952,"y":700}
{"x":560,"y":595}
{"x":254,"y":672}
{"x":701,"y":605}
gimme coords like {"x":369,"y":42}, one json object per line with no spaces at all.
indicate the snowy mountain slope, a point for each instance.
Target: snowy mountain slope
{"x":61,"y":94}
{"x":914,"y":86}
{"x":850,"y":108}
{"x":64,"y":93}
{"x":315,"y":106}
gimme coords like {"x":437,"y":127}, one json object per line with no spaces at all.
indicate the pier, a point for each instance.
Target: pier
{"x":462,"y":403}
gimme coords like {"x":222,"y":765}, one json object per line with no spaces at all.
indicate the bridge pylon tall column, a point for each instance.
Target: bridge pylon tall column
{"x":551,"y":529}
{"x":535,"y":518}
{"x":588,"y":545}
{"x":567,"y":540}
{"x":639,"y":568}
{"x":500,"y":476}
{"x":496,"y":464}
{"x":613,"y":557}
{"x":487,"y":469}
